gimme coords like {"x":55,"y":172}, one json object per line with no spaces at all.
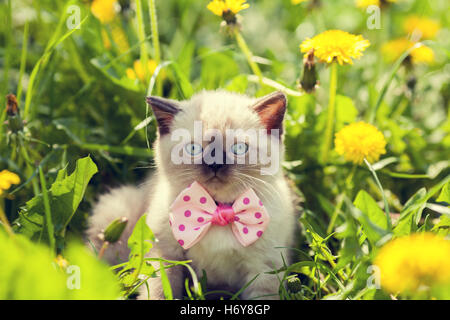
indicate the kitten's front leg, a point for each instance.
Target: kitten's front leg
{"x":265,"y":286}
{"x":168,"y":249}
{"x":155,"y":288}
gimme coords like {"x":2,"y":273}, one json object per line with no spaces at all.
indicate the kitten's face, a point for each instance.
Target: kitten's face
{"x":218,"y":138}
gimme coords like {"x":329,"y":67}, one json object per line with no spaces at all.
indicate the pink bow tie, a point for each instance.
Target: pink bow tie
{"x":194,"y":211}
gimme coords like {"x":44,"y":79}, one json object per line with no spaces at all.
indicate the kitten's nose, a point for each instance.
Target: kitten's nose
{"x":215,"y":166}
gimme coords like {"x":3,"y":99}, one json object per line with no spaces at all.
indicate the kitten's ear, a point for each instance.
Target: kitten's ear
{"x":164,"y":110}
{"x":271,"y":109}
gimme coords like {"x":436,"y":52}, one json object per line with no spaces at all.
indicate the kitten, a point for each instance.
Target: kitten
{"x":228,"y":264}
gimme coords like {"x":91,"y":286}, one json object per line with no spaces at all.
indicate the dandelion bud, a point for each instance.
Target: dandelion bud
{"x":411,"y":83}
{"x":15,"y":123}
{"x":114,"y":230}
{"x":314,"y":4}
{"x":445,"y":94}
{"x":11,"y":105}
{"x":309,"y":80}
{"x":386,"y":3}
{"x":229,"y":17}
{"x":294,"y":285}
{"x":408,"y":63}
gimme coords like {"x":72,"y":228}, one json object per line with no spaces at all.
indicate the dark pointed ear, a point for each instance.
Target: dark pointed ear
{"x":164,"y":110}
{"x":271,"y":109}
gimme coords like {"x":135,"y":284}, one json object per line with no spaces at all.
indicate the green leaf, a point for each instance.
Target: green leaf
{"x":103,"y":64}
{"x":312,"y":222}
{"x":96,"y":279}
{"x":217,"y":68}
{"x":444,"y":196}
{"x":443,"y":226}
{"x":184,"y":85}
{"x":427,"y":225}
{"x":56,"y":39}
{"x":29,"y":271}
{"x":140,"y":240}
{"x":140,"y":243}
{"x":326,"y":205}
{"x":317,"y":242}
{"x":373,"y":232}
{"x":238,"y":84}
{"x":125,"y":150}
{"x":350,"y":248}
{"x":295,"y":267}
{"x":167,"y":289}
{"x":405,"y":175}
{"x":412,"y":211}
{"x":65,"y":195}
{"x":369,"y":206}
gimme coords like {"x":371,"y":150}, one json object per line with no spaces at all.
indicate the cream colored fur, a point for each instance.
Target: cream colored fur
{"x":226,"y":262}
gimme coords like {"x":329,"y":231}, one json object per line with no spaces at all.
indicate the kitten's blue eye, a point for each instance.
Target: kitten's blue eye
{"x":193,"y":149}
{"x":239,"y":148}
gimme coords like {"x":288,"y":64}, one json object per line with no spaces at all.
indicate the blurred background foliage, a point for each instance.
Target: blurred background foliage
{"x":82,"y":92}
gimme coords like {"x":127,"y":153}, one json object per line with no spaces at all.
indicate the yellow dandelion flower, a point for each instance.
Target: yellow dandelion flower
{"x":336,"y":45}
{"x":407,"y":263}
{"x":366,"y":3}
{"x":295,"y":2}
{"x":61,"y":262}
{"x":104,"y":10}
{"x":427,"y":28}
{"x":105,"y":40}
{"x":7,"y":178}
{"x":358,"y":141}
{"x":219,"y":7}
{"x":393,"y":49}
{"x":119,"y":37}
{"x":379,"y":3}
{"x":137,"y":72}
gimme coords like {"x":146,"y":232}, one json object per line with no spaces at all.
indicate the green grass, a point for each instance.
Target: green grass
{"x":83,"y":114}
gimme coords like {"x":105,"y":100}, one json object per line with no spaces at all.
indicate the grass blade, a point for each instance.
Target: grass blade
{"x":42,"y":61}
{"x":48,"y":215}
{"x":386,"y":205}
{"x":373,"y":111}
{"x":165,"y":282}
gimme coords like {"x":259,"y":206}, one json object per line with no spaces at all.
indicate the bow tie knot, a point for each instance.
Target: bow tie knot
{"x":194,"y":211}
{"x":223,"y":215}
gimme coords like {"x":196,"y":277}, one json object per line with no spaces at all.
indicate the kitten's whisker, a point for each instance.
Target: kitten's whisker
{"x":253,"y":181}
{"x":263,"y":190}
{"x":266,"y":184}
{"x":244,"y":184}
